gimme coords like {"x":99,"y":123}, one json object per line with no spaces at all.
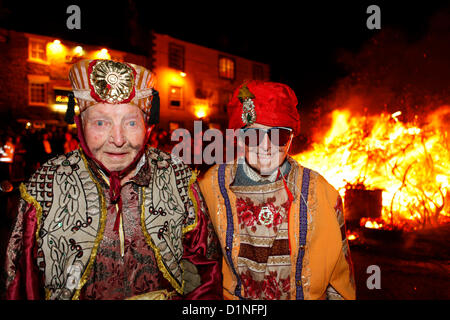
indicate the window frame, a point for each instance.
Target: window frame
{"x":38,"y":80}
{"x":183,"y":50}
{"x":181,"y":106}
{"x":219,"y":67}
{"x":31,"y":41}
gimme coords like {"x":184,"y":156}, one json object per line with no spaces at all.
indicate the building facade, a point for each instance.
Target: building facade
{"x":194,"y":82}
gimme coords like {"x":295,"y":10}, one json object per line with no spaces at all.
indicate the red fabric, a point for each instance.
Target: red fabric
{"x":27,"y":283}
{"x":195,"y":246}
{"x":275,"y":106}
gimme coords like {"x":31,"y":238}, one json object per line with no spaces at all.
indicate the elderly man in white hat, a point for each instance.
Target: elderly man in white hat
{"x":115,"y":219}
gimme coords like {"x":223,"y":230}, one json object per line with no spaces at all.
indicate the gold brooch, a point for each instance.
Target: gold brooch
{"x":111,"y":81}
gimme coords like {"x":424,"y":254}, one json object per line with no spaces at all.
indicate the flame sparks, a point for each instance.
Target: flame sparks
{"x":373,"y":225}
{"x":408,"y":161}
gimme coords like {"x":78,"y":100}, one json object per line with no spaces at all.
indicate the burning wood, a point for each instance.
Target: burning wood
{"x":409,"y":162}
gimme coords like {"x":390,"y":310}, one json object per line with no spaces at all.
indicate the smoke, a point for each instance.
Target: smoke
{"x":393,"y":73}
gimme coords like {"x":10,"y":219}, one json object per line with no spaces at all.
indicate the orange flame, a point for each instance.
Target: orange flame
{"x":410,"y":163}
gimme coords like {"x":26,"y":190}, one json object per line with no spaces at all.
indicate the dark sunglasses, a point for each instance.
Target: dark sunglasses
{"x":279,"y":136}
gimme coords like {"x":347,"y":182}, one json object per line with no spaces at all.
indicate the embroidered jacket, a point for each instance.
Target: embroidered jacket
{"x":277,"y":249}
{"x":64,"y":241}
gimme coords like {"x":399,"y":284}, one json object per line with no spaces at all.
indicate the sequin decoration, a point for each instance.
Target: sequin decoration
{"x":265,"y":216}
{"x":112,"y":81}
{"x":248,"y":112}
{"x":248,"y":107}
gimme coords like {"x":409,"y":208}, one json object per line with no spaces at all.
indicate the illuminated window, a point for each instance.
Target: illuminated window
{"x":258,"y":72}
{"x":175,"y":97}
{"x":176,"y":56}
{"x":37,"y":50}
{"x":226,"y":68}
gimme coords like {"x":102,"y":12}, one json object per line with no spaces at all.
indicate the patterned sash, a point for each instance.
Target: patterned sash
{"x":303,"y":230}
{"x":230,"y":227}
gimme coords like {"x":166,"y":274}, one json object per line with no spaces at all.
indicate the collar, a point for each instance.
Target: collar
{"x":254,"y":176}
{"x":141,"y":176}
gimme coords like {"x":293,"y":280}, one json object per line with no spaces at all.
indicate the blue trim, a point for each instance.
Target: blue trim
{"x":303,"y":231}
{"x":230,"y":227}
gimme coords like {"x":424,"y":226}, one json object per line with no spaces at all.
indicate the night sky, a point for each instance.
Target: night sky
{"x":301,"y":42}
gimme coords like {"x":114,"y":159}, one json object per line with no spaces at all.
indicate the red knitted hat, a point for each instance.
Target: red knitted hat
{"x":267,"y":103}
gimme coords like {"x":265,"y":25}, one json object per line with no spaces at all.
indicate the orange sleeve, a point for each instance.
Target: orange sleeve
{"x":342,"y":280}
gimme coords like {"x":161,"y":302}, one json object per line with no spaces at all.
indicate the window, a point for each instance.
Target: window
{"x":37,"y":50}
{"x":37,"y":90}
{"x":176,"y":56}
{"x":224,"y":97}
{"x":175,"y":97}
{"x":258,"y":72}
{"x":226,"y":68}
{"x":38,"y":93}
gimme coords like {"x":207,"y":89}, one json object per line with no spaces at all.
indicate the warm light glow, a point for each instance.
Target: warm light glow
{"x":78,"y":50}
{"x":61,"y":108}
{"x":176,"y":79}
{"x":200,"y":111}
{"x":55,"y":48}
{"x":372,"y":225}
{"x":351,"y":237}
{"x":102,"y":54}
{"x":183,"y":74}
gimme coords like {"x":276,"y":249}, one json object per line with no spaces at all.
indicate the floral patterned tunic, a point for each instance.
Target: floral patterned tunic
{"x":264,"y":257}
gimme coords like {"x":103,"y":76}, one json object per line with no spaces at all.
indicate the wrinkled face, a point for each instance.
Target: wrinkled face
{"x":265,"y":157}
{"x":114,"y":133}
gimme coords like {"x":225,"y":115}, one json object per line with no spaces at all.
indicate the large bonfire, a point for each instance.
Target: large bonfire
{"x":409,"y":162}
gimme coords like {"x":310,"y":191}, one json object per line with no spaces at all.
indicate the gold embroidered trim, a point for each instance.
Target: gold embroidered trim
{"x":99,"y":238}
{"x":262,"y":267}
{"x":148,"y":239}
{"x":194,"y":201}
{"x":154,"y":295}
{"x":230,"y":171}
{"x":48,"y":293}
{"x":312,"y":210}
{"x":29,"y":198}
{"x":263,"y":242}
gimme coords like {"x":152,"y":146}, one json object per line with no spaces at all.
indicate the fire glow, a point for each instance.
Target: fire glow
{"x":408,"y":161}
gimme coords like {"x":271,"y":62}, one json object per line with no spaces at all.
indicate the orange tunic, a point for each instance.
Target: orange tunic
{"x":326,"y":271}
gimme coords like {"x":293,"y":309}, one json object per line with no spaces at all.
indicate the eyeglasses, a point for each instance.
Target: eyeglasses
{"x":279,"y":136}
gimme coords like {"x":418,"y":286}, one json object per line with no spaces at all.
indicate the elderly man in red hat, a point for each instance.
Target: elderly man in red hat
{"x":115,"y":219}
{"x":280,"y":225}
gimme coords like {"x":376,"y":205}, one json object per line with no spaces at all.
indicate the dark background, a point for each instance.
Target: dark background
{"x":301,"y":40}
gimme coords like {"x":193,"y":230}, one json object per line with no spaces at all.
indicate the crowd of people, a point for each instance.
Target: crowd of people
{"x":21,"y":154}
